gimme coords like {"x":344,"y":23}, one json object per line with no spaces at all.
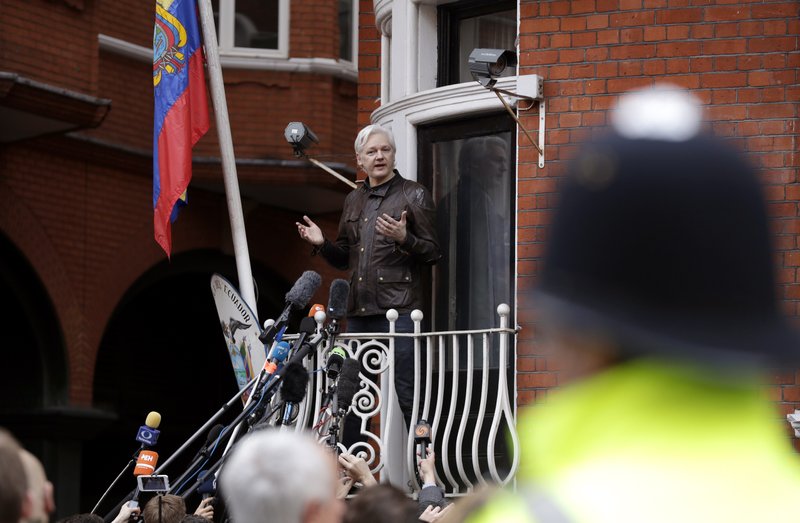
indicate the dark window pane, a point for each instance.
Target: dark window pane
{"x":469,"y":24}
{"x":346,"y":30}
{"x":256,"y":24}
{"x":492,"y":31}
{"x":468,"y":166}
{"x":215,"y":10}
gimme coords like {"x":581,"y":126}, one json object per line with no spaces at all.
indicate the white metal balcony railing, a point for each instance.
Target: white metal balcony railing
{"x":469,"y":403}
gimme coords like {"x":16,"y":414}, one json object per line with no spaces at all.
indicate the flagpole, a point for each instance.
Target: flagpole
{"x":241,"y":252}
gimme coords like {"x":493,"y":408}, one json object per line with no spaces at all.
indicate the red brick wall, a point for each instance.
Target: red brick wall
{"x":50,"y":42}
{"x":369,"y":63}
{"x":740,"y":58}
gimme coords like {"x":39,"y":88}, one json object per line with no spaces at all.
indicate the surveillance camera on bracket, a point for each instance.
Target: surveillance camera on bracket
{"x":486,"y":66}
{"x":300,"y":137}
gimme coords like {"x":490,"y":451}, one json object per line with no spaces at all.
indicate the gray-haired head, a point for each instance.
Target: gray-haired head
{"x":368,"y":131}
{"x":277,"y":476}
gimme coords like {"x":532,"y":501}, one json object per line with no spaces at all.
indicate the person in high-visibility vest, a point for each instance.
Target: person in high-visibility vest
{"x":657,"y":295}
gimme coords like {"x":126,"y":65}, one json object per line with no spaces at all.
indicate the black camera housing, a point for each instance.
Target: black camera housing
{"x":486,"y":65}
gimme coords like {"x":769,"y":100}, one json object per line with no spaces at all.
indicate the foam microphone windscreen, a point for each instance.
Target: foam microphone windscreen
{"x":302,"y":290}
{"x":348,"y":382}
{"x":295,"y":379}
{"x":145,"y":463}
{"x":153,"y":420}
{"x":337,"y":300}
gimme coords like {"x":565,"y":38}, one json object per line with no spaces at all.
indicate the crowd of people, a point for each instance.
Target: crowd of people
{"x":271,"y":475}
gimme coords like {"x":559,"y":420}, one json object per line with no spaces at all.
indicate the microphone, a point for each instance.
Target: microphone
{"x":280,"y":351}
{"x":146,"y":460}
{"x":307,"y":326}
{"x":348,"y":384}
{"x":148,"y":433}
{"x":334,"y":364}
{"x":317,"y":307}
{"x":306,"y":348}
{"x":145,"y":466}
{"x":276,"y":356}
{"x":208,"y":487}
{"x":293,"y":390}
{"x":211,"y":439}
{"x":337,"y":307}
{"x":422,"y":437}
{"x":337,"y":300}
{"x":145,"y":463}
{"x":297,"y":298}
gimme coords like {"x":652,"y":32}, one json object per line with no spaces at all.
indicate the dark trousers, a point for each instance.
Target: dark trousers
{"x":403,"y":356}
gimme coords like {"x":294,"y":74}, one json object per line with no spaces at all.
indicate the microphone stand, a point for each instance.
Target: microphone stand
{"x":270,"y":389}
{"x":206,"y":425}
{"x":260,"y":393}
{"x":103,"y":497}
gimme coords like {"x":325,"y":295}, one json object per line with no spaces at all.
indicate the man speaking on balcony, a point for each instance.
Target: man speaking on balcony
{"x":387,"y":235}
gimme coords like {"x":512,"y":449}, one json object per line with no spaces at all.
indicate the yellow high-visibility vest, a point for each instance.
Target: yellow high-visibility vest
{"x":654,"y":442}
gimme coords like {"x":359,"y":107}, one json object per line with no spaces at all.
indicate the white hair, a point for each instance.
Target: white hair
{"x":366,"y":132}
{"x":273,"y":476}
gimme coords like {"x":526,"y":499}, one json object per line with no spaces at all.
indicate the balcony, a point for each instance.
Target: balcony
{"x":468,"y":396}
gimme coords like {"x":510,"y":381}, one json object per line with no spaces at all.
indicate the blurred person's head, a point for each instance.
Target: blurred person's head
{"x":166,"y":508}
{"x":660,"y":246}
{"x":194,"y":518}
{"x":40,"y":489}
{"x":281,"y":476}
{"x":382,"y":503}
{"x":15,"y":502}
{"x":483,"y":162}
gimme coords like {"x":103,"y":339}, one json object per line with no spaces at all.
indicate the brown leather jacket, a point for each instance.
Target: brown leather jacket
{"x":384,"y":274}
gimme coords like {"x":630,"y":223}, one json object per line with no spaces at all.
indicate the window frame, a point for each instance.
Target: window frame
{"x":448,"y":38}
{"x":460,"y":129}
{"x":353,"y":60}
{"x":226,"y":31}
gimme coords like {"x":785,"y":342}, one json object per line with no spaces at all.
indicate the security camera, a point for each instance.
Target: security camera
{"x":486,"y":65}
{"x":300,"y":137}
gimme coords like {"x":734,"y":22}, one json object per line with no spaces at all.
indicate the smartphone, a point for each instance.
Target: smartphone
{"x":153,"y":483}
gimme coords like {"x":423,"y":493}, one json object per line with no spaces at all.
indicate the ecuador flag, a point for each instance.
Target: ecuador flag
{"x":181,"y":109}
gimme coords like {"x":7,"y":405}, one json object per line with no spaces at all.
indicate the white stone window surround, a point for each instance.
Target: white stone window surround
{"x":435,"y":105}
{"x":409,"y":96}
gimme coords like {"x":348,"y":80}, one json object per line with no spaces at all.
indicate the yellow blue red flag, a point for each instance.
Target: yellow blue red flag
{"x":181,"y":109}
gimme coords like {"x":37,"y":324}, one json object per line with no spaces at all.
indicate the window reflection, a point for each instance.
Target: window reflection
{"x":473,"y":182}
{"x":256,"y":24}
{"x":492,"y":31}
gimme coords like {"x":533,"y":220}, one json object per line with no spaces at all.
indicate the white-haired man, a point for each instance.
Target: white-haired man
{"x":284,"y":477}
{"x":386,"y":238}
